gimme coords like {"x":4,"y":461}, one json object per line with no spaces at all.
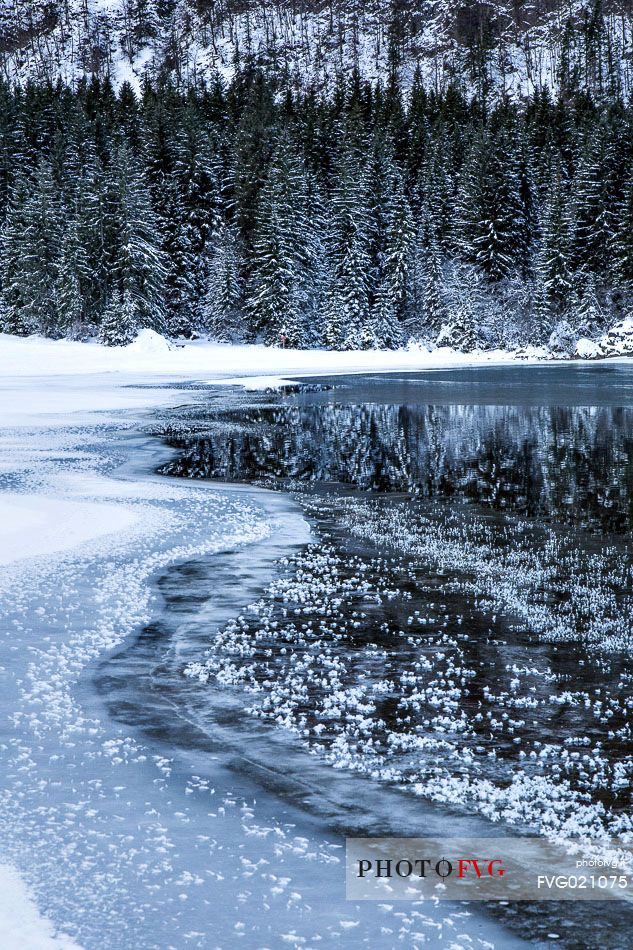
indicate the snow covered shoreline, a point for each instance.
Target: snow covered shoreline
{"x":81,"y":519}
{"x":155,"y":358}
{"x":152,"y":353}
{"x":53,"y":381}
{"x":21,"y":925}
{"x":60,"y":509}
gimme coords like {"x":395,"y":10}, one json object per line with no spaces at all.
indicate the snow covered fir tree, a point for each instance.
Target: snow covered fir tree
{"x":350,"y":207}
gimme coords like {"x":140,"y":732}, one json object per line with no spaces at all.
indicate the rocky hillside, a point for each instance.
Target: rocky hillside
{"x":498,"y":46}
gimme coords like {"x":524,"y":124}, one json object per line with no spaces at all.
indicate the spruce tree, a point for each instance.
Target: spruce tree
{"x":252,"y":149}
{"x":593,"y":207}
{"x":391,"y":301}
{"x":222,"y":310}
{"x":433,"y":194}
{"x":622,"y":242}
{"x":348,"y":250}
{"x":281,"y":282}
{"x":16,"y":317}
{"x":96,"y":225}
{"x":196,"y":217}
{"x":121,"y":320}
{"x":350,"y":301}
{"x":586,"y":312}
{"x":69,"y":301}
{"x":180,"y":290}
{"x":433,"y":309}
{"x":554,"y":277}
{"x":138,"y":269}
{"x":30,"y":255}
{"x":490,"y":215}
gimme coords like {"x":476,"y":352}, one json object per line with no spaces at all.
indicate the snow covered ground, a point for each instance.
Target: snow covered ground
{"x":153,"y":355}
{"x":190,"y":42}
{"x":60,"y":365}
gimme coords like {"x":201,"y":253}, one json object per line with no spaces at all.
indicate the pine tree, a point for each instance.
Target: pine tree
{"x":392,"y":296}
{"x":593,"y":206}
{"x":490,"y":216}
{"x":96,"y":224}
{"x":434,"y":311}
{"x":121,"y":320}
{"x":69,"y":301}
{"x":222,"y":311}
{"x":527,"y":221}
{"x":280,"y":288}
{"x":463,"y":307}
{"x":195,"y":216}
{"x":16,"y":317}
{"x":138,"y":269}
{"x":30,"y":255}
{"x":351,"y":298}
{"x":252,"y":149}
{"x":622,"y":242}
{"x":433,"y":196}
{"x":180,"y":291}
{"x":586,"y":313}
{"x":459,"y":332}
{"x":348,"y":250}
{"x":389,"y":233}
{"x":554,"y":278}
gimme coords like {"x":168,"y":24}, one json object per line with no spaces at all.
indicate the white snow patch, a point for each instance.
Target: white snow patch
{"x":587,"y":349}
{"x":32,"y":525}
{"x":255,"y":383}
{"x":616,"y":342}
{"x":149,"y":342}
{"x":21,"y":925}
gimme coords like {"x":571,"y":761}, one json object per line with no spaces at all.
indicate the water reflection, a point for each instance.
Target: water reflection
{"x":570,"y":463}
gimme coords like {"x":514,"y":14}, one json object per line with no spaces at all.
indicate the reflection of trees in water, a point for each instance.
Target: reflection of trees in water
{"x":572,"y":463}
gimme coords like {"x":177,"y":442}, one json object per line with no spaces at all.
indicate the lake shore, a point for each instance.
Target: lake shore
{"x":139,"y":844}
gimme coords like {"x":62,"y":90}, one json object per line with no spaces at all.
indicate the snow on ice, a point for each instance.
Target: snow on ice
{"x":121,"y":843}
{"x":21,"y":925}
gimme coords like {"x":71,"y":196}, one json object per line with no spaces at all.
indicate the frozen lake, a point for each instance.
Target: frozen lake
{"x":196,"y":710}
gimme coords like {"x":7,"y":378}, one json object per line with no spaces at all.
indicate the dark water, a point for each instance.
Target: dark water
{"x":549,"y":442}
{"x":479,"y":580}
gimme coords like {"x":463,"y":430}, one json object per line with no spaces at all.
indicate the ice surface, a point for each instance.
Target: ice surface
{"x":122,"y":840}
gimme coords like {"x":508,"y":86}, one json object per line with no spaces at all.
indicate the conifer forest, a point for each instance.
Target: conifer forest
{"x":355,"y":213}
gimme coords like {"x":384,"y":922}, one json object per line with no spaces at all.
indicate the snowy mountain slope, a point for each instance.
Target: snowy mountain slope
{"x":512,"y":46}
